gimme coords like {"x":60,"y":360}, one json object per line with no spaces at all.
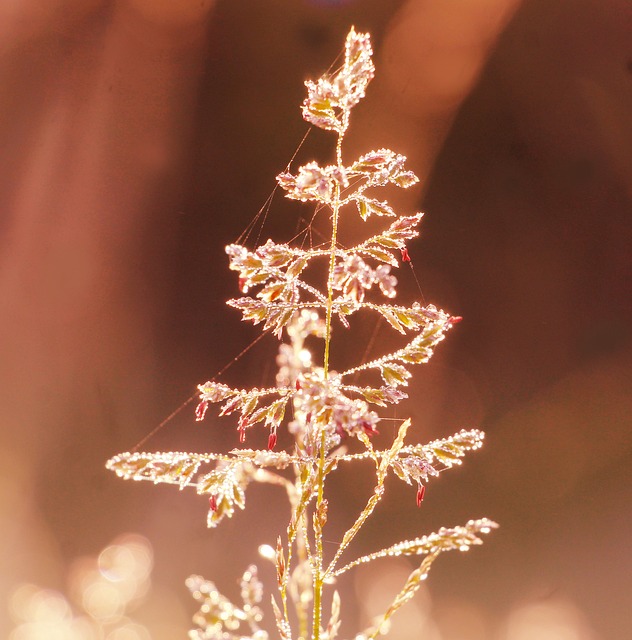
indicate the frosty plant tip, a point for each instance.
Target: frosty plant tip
{"x":332,"y":416}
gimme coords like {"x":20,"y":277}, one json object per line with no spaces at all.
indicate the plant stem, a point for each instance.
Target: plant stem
{"x":302,"y":612}
{"x":318,"y":577}
{"x":332,"y":259}
{"x":318,"y":571}
{"x":352,"y":531}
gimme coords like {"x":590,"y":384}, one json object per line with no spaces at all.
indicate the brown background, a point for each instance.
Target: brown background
{"x":138,"y":137}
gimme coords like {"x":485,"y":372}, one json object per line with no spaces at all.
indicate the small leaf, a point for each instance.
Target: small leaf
{"x":280,"y":562}
{"x":391,"y":317}
{"x":239,"y":496}
{"x":363,"y":209}
{"x":404,"y":228}
{"x":393,"y":452}
{"x":251,"y":309}
{"x":371,"y":206}
{"x":375,"y":396}
{"x":406,"y":179}
{"x":260,"y":276}
{"x":406,"y":318}
{"x":250,"y":403}
{"x":333,"y":625}
{"x":385,"y":241}
{"x":375,"y":162}
{"x":322,"y":117}
{"x":273,"y":254}
{"x":399,"y":470}
{"x":272,"y":291}
{"x":394,"y":374}
{"x":231,"y":405}
{"x":214,"y":391}
{"x":282,"y":624}
{"x":258,"y":415}
{"x":296,"y":267}
{"x":281,"y":319}
{"x":275,"y":412}
{"x":382,"y":256}
{"x":320,"y":517}
{"x":379,"y":208}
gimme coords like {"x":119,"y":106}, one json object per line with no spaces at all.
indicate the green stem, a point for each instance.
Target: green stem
{"x":318,"y":571}
{"x":352,"y":531}
{"x":318,"y":577}
{"x":302,"y":612}
{"x":332,"y":260}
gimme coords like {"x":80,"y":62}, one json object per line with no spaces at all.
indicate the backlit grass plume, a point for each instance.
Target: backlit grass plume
{"x":325,"y":411}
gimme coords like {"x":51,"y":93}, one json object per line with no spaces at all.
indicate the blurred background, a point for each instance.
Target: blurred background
{"x":139,"y":137}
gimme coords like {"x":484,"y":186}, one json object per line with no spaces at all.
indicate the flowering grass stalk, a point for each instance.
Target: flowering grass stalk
{"x":327,"y":410}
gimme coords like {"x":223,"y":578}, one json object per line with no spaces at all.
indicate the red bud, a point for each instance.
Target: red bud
{"x":212,"y":503}
{"x":420,"y":494}
{"x":405,"y":256}
{"x":272,"y":440}
{"x":200,"y":410}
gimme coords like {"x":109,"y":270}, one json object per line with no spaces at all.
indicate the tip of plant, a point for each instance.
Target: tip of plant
{"x":420,"y":494}
{"x":272,"y":440}
{"x":455,"y":319}
{"x":405,"y":256}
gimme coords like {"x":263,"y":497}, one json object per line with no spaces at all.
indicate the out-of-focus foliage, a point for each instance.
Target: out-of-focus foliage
{"x":102,"y":595}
